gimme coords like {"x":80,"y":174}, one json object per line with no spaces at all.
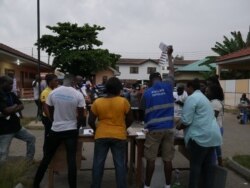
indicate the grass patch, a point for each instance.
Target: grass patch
{"x":232,"y":110}
{"x":16,"y":171}
{"x":243,"y":160}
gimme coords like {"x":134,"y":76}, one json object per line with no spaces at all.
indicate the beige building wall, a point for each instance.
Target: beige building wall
{"x":233,"y":90}
{"x":242,"y":86}
{"x":24,"y":74}
{"x":103,"y":74}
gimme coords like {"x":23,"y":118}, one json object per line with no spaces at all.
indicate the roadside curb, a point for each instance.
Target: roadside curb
{"x":242,"y":171}
{"x":37,"y":125}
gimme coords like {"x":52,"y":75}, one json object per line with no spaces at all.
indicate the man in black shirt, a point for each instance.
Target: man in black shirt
{"x":10,"y":127}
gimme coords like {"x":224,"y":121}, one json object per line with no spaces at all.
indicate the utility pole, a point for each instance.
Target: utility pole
{"x":38,"y":54}
{"x":38,"y":44}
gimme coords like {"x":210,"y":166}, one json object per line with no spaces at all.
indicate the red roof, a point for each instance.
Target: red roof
{"x":240,"y":53}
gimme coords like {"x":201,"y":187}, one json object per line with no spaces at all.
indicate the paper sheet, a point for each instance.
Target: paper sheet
{"x":140,"y":133}
{"x":88,"y":132}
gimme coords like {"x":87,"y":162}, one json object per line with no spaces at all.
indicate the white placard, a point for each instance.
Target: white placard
{"x":140,"y":133}
{"x":163,"y":47}
{"x":88,"y":132}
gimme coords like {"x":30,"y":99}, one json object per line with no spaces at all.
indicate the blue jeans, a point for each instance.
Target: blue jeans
{"x":118,"y":149}
{"x":22,"y":134}
{"x":201,"y":160}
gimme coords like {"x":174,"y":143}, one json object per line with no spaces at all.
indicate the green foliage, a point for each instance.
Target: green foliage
{"x":212,"y":72}
{"x":243,"y":160}
{"x":230,"y":45}
{"x":14,"y":172}
{"x":179,"y":57}
{"x":75,"y":48}
{"x":248,"y":39}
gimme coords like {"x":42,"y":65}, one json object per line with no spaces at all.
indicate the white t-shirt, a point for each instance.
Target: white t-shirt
{"x":218,"y":106}
{"x":65,"y":101}
{"x":36,"y":90}
{"x":182,"y":98}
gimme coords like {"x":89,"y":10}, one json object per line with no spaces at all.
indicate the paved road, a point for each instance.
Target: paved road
{"x":236,"y":141}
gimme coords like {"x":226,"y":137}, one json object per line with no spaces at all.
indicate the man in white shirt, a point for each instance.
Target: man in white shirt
{"x":66,"y":106}
{"x":179,"y":96}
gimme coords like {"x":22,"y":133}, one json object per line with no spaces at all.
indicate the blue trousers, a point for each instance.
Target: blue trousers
{"x":22,"y":134}
{"x":118,"y":149}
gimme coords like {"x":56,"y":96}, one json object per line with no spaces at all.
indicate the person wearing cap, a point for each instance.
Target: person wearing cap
{"x":158,"y":106}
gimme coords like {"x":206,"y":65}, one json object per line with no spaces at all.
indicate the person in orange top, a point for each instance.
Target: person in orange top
{"x":114,"y":116}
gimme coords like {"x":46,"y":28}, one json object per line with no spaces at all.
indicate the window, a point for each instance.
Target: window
{"x":151,"y":70}
{"x":164,"y":68}
{"x":10,"y":72}
{"x":134,"y":70}
{"x":164,"y":76}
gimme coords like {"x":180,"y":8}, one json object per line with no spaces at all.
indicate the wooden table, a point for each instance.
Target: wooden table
{"x":59,"y":162}
{"x":138,"y":142}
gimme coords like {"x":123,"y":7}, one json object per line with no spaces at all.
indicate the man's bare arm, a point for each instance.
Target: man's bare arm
{"x":170,"y":61}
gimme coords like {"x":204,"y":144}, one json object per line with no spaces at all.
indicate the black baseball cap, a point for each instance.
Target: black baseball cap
{"x":154,"y":75}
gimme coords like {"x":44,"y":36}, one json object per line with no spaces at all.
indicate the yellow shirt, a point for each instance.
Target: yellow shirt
{"x":111,"y":114}
{"x":44,"y":95}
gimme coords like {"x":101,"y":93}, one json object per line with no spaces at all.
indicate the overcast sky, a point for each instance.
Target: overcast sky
{"x":134,"y":28}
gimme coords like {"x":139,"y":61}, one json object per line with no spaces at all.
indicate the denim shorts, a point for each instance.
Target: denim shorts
{"x":163,"y":140}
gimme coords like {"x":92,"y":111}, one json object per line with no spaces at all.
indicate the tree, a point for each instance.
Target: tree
{"x":179,"y":57}
{"x":75,"y":49}
{"x":228,"y":46}
{"x":248,"y":38}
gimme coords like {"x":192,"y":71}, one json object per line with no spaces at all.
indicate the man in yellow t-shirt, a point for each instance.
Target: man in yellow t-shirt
{"x":114,"y":116}
{"x":52,"y":83}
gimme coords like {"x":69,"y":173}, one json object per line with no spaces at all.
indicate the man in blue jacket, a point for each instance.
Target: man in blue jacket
{"x":158,"y":105}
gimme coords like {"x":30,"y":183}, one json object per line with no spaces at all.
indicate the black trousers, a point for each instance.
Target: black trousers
{"x":47,"y":123}
{"x":69,"y":138}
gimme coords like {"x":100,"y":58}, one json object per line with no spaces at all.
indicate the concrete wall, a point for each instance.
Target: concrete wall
{"x":24,"y":74}
{"x":99,"y":75}
{"x":233,"y":90}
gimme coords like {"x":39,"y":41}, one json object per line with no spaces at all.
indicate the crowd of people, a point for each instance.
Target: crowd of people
{"x":64,"y":109}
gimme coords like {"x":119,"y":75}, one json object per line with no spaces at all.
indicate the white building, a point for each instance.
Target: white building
{"x":132,"y":70}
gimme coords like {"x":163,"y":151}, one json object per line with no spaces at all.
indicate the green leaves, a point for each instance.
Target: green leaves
{"x":229,"y":45}
{"x":75,"y":48}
